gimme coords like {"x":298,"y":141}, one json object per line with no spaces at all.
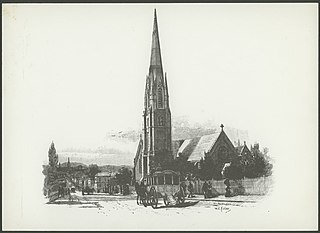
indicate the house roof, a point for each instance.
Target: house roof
{"x":100,"y":174}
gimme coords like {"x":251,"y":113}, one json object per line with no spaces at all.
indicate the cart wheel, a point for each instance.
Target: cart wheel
{"x":165,"y":200}
{"x":154,"y":202}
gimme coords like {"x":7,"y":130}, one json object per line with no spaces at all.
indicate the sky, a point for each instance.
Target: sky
{"x":73,"y":72}
{"x":83,"y":67}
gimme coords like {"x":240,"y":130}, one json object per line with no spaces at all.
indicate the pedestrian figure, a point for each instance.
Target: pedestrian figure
{"x":184,"y":188}
{"x":205,"y":189}
{"x":190,"y":189}
{"x":228,"y":189}
{"x":69,"y":194}
{"x":209,"y":190}
{"x":143,"y":192}
{"x":143,"y":188}
{"x":59,"y":191}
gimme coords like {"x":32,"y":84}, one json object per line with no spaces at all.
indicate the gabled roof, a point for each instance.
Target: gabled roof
{"x":240,"y":149}
{"x":194,"y":148}
{"x":204,"y":145}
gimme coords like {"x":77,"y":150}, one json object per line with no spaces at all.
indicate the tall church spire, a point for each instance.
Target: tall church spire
{"x":157,"y":138}
{"x":155,"y":60}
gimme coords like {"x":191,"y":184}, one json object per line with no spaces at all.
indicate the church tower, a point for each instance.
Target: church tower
{"x":157,"y":138}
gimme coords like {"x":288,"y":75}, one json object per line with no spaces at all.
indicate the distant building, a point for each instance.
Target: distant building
{"x":103,"y":181}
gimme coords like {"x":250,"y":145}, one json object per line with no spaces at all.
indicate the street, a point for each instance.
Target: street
{"x":115,"y":204}
{"x":103,"y":211}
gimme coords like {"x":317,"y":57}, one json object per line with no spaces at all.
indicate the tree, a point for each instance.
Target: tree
{"x":210,"y":168}
{"x":93,"y":170}
{"x":53,"y":157}
{"x":258,"y":164}
{"x":183,"y":166}
{"x":124,"y":176}
{"x":235,"y":171}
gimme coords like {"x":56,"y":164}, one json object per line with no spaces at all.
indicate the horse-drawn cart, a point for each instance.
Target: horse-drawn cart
{"x":162,"y":184}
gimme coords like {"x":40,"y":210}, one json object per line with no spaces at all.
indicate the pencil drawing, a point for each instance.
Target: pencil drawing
{"x":174,"y":166}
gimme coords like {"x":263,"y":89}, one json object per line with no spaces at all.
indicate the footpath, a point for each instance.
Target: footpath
{"x":222,"y":198}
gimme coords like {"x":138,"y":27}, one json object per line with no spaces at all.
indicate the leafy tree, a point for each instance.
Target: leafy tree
{"x":124,"y":177}
{"x":206,"y":168}
{"x":236,"y":169}
{"x":258,"y":164}
{"x":92,"y":171}
{"x":210,"y":168}
{"x":53,"y":157}
{"x":183,"y":166}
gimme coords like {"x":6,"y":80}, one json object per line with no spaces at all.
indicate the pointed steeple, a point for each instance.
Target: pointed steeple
{"x":155,"y":60}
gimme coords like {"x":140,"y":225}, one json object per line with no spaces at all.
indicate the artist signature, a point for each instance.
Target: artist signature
{"x":223,"y":209}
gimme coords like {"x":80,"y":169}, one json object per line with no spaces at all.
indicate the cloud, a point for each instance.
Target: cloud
{"x":119,"y":147}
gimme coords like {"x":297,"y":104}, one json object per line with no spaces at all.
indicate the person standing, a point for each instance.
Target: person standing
{"x":228,"y":189}
{"x":205,"y":189}
{"x":209,"y":192}
{"x":184,"y":187}
{"x":190,"y":189}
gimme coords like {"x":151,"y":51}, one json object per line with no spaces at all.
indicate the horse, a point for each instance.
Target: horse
{"x":180,"y":195}
{"x":141,"y":192}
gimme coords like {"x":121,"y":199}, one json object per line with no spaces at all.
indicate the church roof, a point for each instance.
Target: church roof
{"x":194,"y":148}
{"x":240,"y":149}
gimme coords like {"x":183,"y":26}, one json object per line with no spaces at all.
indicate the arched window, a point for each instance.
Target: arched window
{"x":160,"y":98}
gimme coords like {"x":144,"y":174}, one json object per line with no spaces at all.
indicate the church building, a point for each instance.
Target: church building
{"x":156,"y":142}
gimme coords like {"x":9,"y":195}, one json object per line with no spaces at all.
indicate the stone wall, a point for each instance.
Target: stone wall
{"x":246,"y":186}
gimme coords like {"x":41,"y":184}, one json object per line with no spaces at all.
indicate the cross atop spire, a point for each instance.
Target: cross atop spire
{"x":155,"y":60}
